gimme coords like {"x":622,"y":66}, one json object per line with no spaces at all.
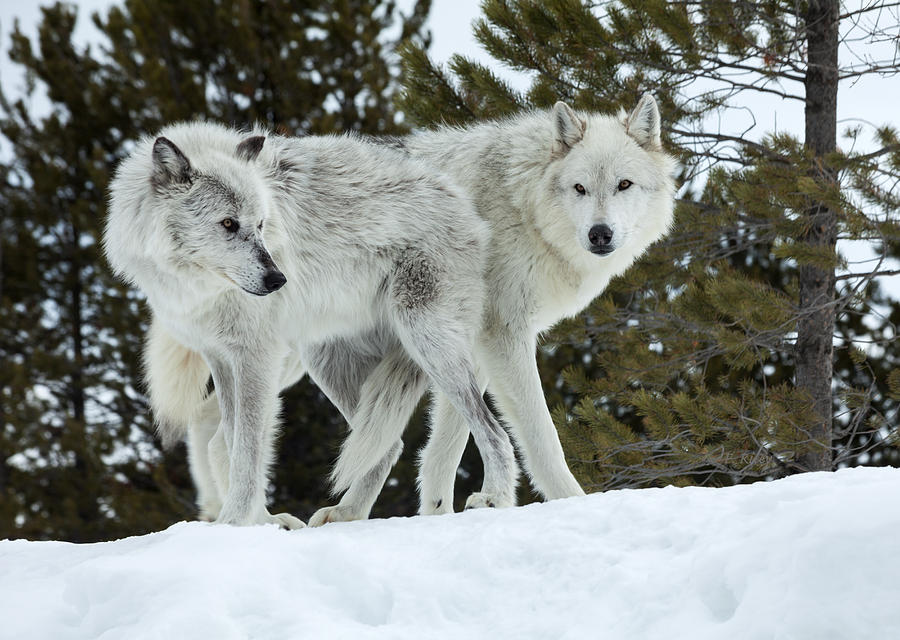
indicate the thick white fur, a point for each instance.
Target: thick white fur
{"x":384,"y":267}
{"x":521,"y":174}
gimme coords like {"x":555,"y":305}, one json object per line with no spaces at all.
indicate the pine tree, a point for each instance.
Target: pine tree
{"x":78,"y":458}
{"x":711,"y":359}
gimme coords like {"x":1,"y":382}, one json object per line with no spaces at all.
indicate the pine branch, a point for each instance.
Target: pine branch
{"x":891,"y":148}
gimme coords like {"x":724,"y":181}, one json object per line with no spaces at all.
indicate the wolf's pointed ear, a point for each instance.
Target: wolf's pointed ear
{"x":250,"y":148}
{"x":568,"y":128}
{"x":643,"y":124}
{"x":170,"y":165}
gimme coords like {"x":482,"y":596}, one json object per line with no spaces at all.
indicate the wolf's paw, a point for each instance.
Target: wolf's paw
{"x":209,"y":511}
{"x":206,"y":516}
{"x":283,"y":520}
{"x":337,"y":513}
{"x":482,"y":500}
{"x":436,"y":507}
{"x":286,"y":521}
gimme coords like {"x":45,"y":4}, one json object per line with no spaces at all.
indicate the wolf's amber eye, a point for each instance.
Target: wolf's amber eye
{"x":579,"y":189}
{"x":624,"y":185}
{"x":230,"y":224}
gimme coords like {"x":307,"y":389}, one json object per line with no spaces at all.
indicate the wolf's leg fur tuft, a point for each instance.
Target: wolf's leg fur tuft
{"x":176,"y":380}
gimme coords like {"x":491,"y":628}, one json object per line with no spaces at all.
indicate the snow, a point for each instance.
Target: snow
{"x":813,"y":556}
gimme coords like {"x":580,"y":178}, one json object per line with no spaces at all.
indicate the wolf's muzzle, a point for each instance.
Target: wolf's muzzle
{"x":600,"y":236}
{"x":273,"y":281}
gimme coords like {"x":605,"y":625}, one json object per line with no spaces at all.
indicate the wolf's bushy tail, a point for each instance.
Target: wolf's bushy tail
{"x":177,"y":381}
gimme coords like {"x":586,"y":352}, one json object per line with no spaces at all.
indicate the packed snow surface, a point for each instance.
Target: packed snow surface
{"x":815,"y":556}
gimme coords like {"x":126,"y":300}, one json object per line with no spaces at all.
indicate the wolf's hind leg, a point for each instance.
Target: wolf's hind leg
{"x":439,"y":459}
{"x":357,"y":502}
{"x":377,"y":398}
{"x":444,"y":352}
{"x":203,"y":459}
{"x":387,"y":401}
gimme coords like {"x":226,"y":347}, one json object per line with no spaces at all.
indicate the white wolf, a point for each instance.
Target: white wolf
{"x":379,"y":282}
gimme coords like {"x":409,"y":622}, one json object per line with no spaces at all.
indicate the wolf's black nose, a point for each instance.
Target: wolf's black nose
{"x":273,"y":281}
{"x":600,"y":237}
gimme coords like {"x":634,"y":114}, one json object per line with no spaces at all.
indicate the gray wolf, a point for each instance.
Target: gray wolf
{"x":264,"y":257}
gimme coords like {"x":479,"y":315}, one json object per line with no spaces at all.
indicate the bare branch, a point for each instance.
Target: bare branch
{"x":875,"y":6}
{"x":721,"y":137}
{"x":891,"y":69}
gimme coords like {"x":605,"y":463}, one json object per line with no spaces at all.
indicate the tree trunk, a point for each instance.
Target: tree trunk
{"x":817,"y":286}
{"x":88,"y":475}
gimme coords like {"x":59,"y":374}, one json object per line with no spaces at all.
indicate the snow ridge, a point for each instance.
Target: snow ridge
{"x":809,"y":557}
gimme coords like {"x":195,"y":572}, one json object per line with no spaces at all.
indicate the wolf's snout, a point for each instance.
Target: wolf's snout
{"x":273,"y":281}
{"x":600,"y":237}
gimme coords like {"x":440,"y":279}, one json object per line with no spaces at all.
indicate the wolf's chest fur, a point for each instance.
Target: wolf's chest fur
{"x":562,"y":290}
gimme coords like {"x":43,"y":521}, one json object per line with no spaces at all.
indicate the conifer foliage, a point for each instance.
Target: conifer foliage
{"x":744,"y":345}
{"x":78,"y":460}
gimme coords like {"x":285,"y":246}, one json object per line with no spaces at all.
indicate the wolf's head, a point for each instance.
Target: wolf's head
{"x":611,"y":177}
{"x":215,"y":215}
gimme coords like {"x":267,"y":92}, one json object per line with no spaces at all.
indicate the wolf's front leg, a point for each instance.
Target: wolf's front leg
{"x":247,"y":387}
{"x":516,"y":386}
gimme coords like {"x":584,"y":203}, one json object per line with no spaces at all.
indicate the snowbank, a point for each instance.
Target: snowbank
{"x":814,"y":556}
